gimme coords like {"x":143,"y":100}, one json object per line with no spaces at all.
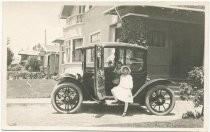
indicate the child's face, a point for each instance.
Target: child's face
{"x":119,"y":65}
{"x":125,"y":71}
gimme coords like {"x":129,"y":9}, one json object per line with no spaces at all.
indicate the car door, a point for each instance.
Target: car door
{"x":99,"y":81}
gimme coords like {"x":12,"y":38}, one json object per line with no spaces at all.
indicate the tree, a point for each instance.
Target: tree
{"x":33,"y":64}
{"x":10,"y":54}
{"x":37,"y":47}
{"x":134,"y":30}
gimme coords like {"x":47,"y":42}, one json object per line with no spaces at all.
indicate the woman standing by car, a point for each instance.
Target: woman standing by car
{"x":123,"y":92}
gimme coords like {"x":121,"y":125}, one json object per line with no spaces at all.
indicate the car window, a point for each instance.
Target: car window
{"x":109,"y":56}
{"x":90,"y":57}
{"x":134,"y":59}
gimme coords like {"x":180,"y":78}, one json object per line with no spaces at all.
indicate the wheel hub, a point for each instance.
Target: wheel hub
{"x":67,"y":99}
{"x":160,"y":100}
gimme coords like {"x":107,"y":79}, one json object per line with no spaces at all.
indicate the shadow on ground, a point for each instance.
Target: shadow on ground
{"x":100,"y":110}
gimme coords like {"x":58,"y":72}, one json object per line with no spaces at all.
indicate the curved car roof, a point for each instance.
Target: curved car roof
{"x":112,"y":44}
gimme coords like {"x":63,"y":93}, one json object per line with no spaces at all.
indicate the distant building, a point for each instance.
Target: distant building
{"x":51,"y":61}
{"x":27,"y":54}
{"x":48,"y":55}
{"x":176,"y":35}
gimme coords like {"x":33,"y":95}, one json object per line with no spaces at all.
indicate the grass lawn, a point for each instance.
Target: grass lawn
{"x":40,"y":88}
{"x":180,"y":123}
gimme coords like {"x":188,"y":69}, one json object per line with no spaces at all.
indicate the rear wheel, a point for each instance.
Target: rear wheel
{"x":160,"y":100}
{"x":66,"y":98}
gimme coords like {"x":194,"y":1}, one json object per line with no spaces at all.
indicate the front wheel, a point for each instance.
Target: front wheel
{"x":67,"y":98}
{"x":160,"y":100}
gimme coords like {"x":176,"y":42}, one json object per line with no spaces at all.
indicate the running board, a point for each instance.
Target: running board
{"x":109,"y":97}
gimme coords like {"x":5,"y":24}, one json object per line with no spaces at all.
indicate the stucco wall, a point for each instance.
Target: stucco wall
{"x":96,"y":21}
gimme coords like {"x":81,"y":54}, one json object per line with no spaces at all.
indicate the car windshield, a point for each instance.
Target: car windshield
{"x":133,"y":59}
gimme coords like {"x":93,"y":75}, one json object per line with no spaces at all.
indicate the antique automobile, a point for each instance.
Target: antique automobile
{"x":95,"y":80}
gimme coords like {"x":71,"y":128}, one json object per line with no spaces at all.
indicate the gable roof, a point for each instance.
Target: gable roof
{"x":51,"y":48}
{"x":28,"y":52}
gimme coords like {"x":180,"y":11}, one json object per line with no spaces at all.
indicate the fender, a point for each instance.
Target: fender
{"x":72,"y":78}
{"x":152,"y":83}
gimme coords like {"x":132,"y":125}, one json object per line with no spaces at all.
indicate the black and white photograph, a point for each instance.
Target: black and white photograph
{"x":104,"y":66}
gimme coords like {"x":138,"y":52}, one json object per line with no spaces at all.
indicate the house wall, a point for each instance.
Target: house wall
{"x":158,"y":62}
{"x":181,"y":42}
{"x":95,"y":21}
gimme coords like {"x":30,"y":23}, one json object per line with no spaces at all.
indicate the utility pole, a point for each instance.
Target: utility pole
{"x":48,"y":57}
{"x":45,"y":38}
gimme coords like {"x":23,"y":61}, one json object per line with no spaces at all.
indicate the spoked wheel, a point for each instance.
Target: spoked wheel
{"x":160,"y":100}
{"x":66,"y":98}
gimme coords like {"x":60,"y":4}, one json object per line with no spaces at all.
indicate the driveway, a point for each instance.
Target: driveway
{"x":41,"y":113}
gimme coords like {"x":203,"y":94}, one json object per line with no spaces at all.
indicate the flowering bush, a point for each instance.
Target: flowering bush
{"x":194,"y":90}
{"x":196,"y":77}
{"x":186,"y":91}
{"x":17,"y":67}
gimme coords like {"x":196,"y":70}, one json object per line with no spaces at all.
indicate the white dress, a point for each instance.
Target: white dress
{"x":123,"y":91}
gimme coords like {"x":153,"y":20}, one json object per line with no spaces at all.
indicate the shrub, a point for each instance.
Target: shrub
{"x":25,"y":75}
{"x":194,"y":90}
{"x":33,"y":65}
{"x":17,"y":67}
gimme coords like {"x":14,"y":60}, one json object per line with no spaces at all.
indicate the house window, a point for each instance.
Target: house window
{"x":68,"y":50}
{"x":62,"y":54}
{"x":76,"y":54}
{"x":94,"y":38}
{"x":90,"y":57}
{"x":81,"y":9}
{"x":157,"y":38}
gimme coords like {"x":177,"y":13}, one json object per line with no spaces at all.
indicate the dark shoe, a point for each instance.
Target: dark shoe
{"x":102,"y":102}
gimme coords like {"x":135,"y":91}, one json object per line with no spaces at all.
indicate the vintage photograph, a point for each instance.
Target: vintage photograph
{"x":104,"y":66}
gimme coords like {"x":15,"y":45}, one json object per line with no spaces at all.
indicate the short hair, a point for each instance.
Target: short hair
{"x":118,"y":62}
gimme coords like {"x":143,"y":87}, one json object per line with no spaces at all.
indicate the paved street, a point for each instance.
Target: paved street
{"x":39,"y":112}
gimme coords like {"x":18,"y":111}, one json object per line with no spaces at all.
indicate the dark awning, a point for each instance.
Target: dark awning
{"x":166,"y":13}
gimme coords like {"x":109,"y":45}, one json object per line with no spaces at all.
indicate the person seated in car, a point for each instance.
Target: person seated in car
{"x":117,"y":72}
{"x":122,"y":92}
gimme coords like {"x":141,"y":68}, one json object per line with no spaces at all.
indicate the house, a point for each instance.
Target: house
{"x":27,"y":54}
{"x":51,"y":61}
{"x":175,"y":35}
{"x":48,"y":55}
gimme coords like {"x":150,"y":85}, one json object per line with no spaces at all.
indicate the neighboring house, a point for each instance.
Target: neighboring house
{"x":48,"y":56}
{"x":51,"y":61}
{"x":176,"y":35}
{"x":27,"y":54}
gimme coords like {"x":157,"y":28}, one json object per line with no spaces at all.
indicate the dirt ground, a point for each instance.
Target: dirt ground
{"x":95,"y":115}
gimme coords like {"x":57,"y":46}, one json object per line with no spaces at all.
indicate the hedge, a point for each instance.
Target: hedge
{"x":25,"y":75}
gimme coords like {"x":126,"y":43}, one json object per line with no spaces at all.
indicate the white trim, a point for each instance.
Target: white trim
{"x":157,"y":18}
{"x":160,"y":6}
{"x":75,"y":15}
{"x":68,"y":26}
{"x":70,"y":63}
{"x":177,"y":8}
{"x":134,"y":14}
{"x":90,"y":9}
{"x":75,"y":48}
{"x":95,"y":32}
